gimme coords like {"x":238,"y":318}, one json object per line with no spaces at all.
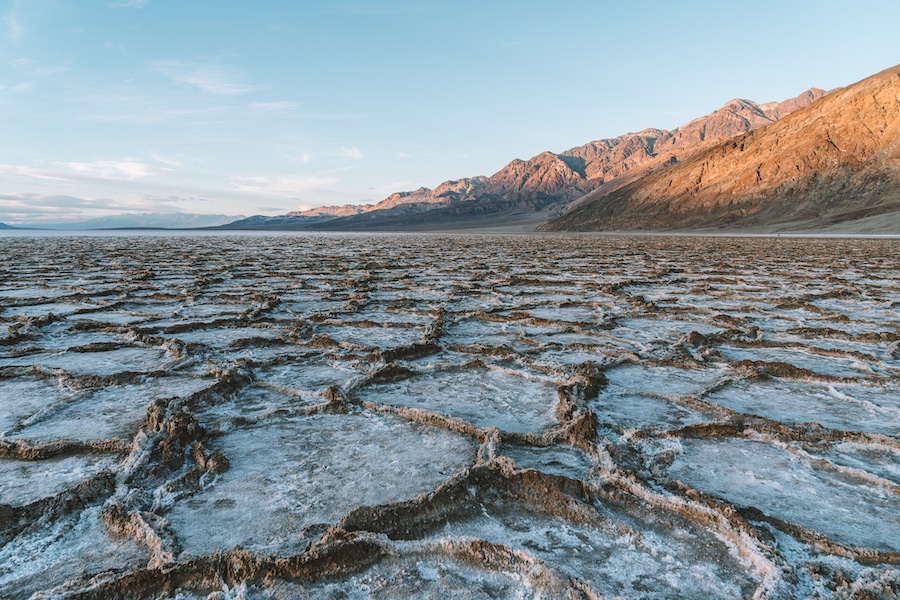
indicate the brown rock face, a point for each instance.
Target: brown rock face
{"x":424,"y":198}
{"x":545,"y":175}
{"x":836,"y":161}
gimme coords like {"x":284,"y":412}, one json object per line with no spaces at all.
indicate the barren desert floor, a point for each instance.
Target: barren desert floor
{"x":466,"y":416}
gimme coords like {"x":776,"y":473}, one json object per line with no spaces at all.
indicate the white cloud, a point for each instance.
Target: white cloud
{"x":14,"y":28}
{"x":166,"y":160}
{"x":353,"y":152}
{"x":344,"y":152}
{"x":213,"y":79}
{"x":383,"y":8}
{"x":130,"y":4}
{"x":271,"y":106}
{"x":110,"y":169}
{"x":153,"y":115}
{"x":32,"y":173}
{"x":102,"y":170}
{"x":281,"y":186}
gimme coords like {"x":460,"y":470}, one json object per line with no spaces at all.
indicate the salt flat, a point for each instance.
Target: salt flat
{"x":473,"y":415}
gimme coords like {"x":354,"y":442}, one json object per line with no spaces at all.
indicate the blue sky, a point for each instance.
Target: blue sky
{"x":119,"y":106}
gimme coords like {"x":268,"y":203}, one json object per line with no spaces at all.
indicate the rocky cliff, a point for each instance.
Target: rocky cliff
{"x":832,"y":162}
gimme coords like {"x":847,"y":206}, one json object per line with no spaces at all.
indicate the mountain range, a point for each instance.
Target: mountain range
{"x":525,"y":193}
{"x":822,"y":161}
{"x":819,"y":162}
{"x":833,"y":165}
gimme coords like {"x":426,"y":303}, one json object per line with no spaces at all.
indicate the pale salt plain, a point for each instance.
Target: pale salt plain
{"x":469,"y":416}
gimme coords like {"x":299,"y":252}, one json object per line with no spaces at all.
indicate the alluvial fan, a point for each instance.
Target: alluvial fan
{"x":472,"y":416}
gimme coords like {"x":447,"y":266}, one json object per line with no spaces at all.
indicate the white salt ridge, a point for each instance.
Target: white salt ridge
{"x":224,"y":336}
{"x":112,"y":316}
{"x":615,"y":559}
{"x":664,"y":380}
{"x":883,"y":314}
{"x":567,"y":314}
{"x":77,"y":545}
{"x":554,"y":460}
{"x":389,"y":318}
{"x":751,"y":473}
{"x":289,"y":474}
{"x":489,"y":333}
{"x":482,"y":397}
{"x":25,"y":481}
{"x":23,"y":397}
{"x":627,"y":409}
{"x":661,"y":329}
{"x":803,"y":402}
{"x":380,"y":337}
{"x":40,"y":310}
{"x":312,"y":376}
{"x":884,"y":395}
{"x":113,"y":412}
{"x":556,"y":358}
{"x":30,"y":293}
{"x":256,"y":403}
{"x":880,"y":461}
{"x":823,"y":365}
{"x":202,"y":310}
{"x":603,"y":340}
{"x":108,"y":362}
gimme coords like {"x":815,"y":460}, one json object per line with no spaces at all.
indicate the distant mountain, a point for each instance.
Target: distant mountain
{"x":832,"y":165}
{"x":398,"y":205}
{"x":5,"y":226}
{"x":527,"y":192}
{"x":150,"y":221}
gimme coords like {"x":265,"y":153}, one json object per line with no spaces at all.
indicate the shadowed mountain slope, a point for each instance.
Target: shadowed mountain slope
{"x":832,"y":165}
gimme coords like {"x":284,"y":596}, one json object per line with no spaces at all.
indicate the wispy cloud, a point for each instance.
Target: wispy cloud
{"x":414,"y":7}
{"x":271,"y":106}
{"x":110,"y":169}
{"x":153,"y":114}
{"x":351,"y":152}
{"x":130,"y":4}
{"x":14,"y":28}
{"x":354,"y":153}
{"x":166,"y":160}
{"x":212,"y":79}
{"x":282,"y":186}
{"x":31,"y":173}
{"x":101,"y":170}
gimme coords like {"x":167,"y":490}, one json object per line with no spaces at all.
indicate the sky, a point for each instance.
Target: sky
{"x":244,"y":108}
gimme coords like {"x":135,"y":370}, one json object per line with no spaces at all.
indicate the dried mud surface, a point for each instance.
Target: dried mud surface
{"x":472,"y":416}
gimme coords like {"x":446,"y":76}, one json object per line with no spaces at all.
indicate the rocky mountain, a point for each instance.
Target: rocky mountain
{"x":825,"y":165}
{"x":330,"y":212}
{"x":528,"y":191}
{"x":398,"y":205}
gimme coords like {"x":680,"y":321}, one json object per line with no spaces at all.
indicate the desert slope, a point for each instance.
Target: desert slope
{"x":829,"y":166}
